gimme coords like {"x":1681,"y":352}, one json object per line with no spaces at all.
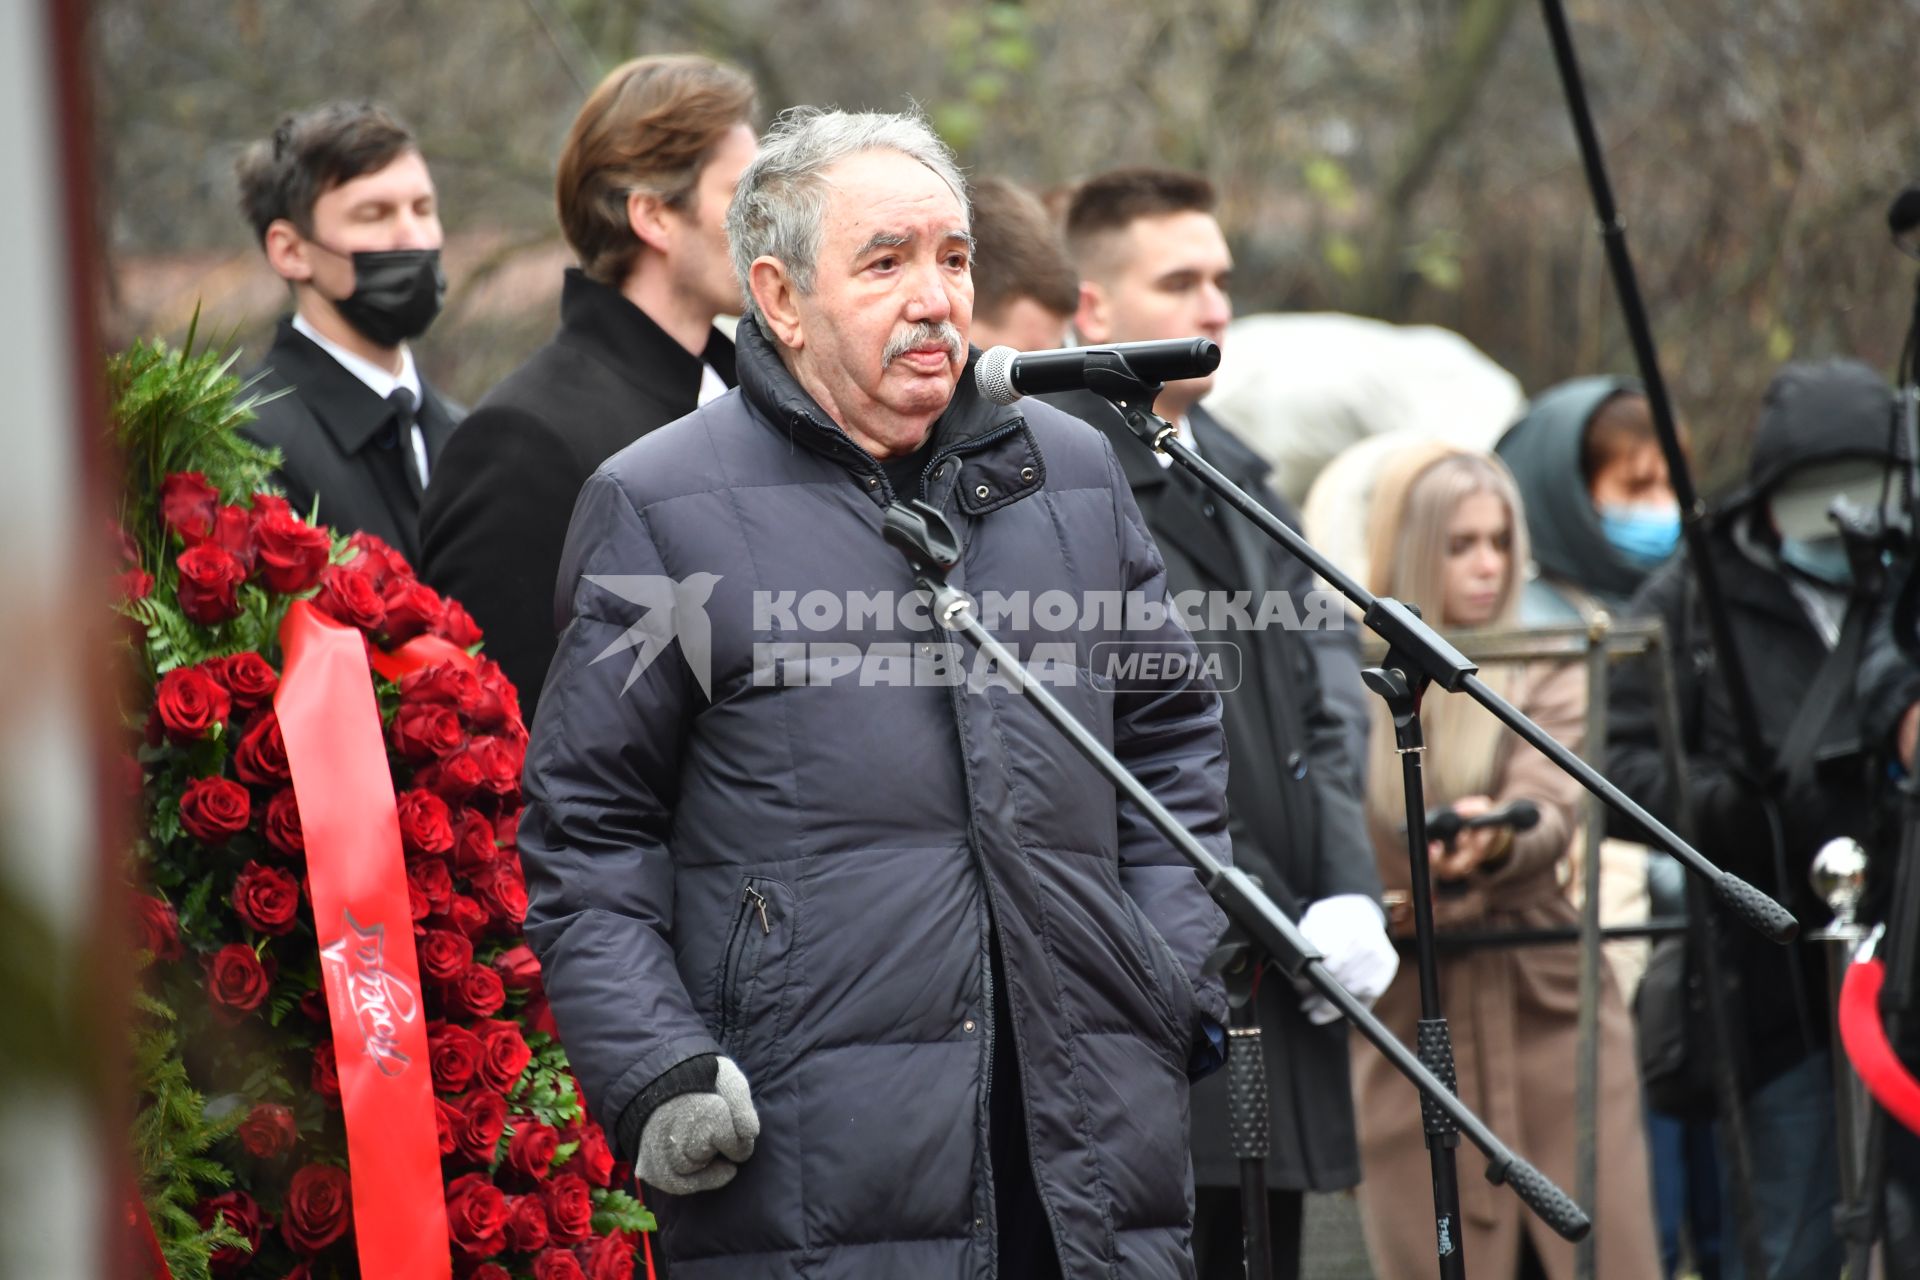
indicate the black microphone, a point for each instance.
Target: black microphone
{"x":1446,"y":824}
{"x":1003,"y":374}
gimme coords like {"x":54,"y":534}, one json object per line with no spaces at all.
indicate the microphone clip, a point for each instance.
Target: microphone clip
{"x":1110,"y":376}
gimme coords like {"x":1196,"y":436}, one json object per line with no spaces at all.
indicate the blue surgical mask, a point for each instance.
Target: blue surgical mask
{"x":1823,"y":559}
{"x":1644,"y":536}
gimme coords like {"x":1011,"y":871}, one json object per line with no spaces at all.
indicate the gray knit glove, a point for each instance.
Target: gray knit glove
{"x":694,"y":1142}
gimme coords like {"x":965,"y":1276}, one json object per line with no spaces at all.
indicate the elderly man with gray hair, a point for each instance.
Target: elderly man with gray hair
{"x":860,"y":965}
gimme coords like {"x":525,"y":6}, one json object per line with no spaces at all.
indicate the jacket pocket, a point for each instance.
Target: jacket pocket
{"x":1176,"y":995}
{"x":758,"y":942}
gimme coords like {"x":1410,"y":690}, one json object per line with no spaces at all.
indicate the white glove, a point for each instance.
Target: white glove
{"x":1350,"y":931}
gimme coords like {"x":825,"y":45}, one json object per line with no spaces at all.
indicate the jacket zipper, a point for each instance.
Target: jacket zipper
{"x":739,"y":944}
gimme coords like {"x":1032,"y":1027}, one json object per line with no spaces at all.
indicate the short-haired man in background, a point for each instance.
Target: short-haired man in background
{"x":1153,"y":265}
{"x":1024,"y":287}
{"x":643,"y":185}
{"x":345,"y":210}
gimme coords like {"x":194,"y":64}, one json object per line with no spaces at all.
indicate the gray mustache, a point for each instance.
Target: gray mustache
{"x":919,"y":336}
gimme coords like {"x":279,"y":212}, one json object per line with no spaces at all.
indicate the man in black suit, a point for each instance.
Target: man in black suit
{"x":643,"y":187}
{"x":344,"y":208}
{"x":1153,"y":264}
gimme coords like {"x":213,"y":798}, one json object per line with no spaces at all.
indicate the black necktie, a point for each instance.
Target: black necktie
{"x":403,"y":420}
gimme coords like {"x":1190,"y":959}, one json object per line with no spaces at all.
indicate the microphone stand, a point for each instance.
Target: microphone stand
{"x":919,"y":531}
{"x":1416,"y":657}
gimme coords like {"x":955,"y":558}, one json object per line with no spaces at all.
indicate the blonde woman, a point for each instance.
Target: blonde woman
{"x":1446,"y":533}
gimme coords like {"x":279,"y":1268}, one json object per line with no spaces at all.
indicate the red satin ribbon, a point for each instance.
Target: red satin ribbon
{"x":357,"y":879}
{"x":1868,"y":1048}
{"x":421,"y":651}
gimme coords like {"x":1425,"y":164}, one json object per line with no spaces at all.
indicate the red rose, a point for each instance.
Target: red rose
{"x":233,"y":531}
{"x":468,"y":916}
{"x":500,"y":761}
{"x":349,"y":596}
{"x":610,"y":1258}
{"x":477,"y":993}
{"x":456,"y":626}
{"x":190,"y":702}
{"x":214,"y":810}
{"x":434,"y":883}
{"x":209,"y":580}
{"x":445,"y":684}
{"x":318,"y":1208}
{"x":326,"y":1071}
{"x":557,"y":1264}
{"x":377,"y":560}
{"x":236,"y":981}
{"x":262,"y":503}
{"x":527,"y":1225}
{"x":426,"y":824}
{"x":413,"y":609}
{"x":159,"y":928}
{"x":518,"y":968}
{"x":476,"y":1216}
{"x":483,"y":1118}
{"x":489,"y":1271}
{"x":595,"y":1156}
{"x":444,"y":954}
{"x":187,"y":504}
{"x":453,"y":1054}
{"x":239,"y":1211}
{"x":537,"y":1014}
{"x":268,"y":1130}
{"x":292,"y":553}
{"x":423,"y":731}
{"x":499,"y":705}
{"x":446,"y":1123}
{"x":506,"y":826}
{"x":502,"y":891}
{"x":266,"y":899}
{"x":417,"y":908}
{"x":313,"y":1005}
{"x":136,"y":584}
{"x":452,"y":779}
{"x":261,"y":757}
{"x":569,"y":1211}
{"x":474,"y":846}
{"x":282,"y":825}
{"x":532,"y":1147}
{"x":504,"y":1054}
{"x":246,"y":676}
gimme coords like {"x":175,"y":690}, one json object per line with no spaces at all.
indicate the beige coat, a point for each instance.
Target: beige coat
{"x":1512,"y":1012}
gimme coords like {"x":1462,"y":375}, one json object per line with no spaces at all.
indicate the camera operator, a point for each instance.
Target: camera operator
{"x":1800,"y":626}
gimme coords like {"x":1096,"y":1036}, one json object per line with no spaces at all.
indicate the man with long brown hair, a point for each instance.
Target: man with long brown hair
{"x":643,"y":185}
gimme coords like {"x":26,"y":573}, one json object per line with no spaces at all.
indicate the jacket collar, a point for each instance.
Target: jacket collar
{"x":346,"y":408}
{"x":602,"y":321}
{"x":1009,"y":466}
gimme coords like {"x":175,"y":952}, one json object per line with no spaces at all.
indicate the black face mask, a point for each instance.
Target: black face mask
{"x":396,"y":294}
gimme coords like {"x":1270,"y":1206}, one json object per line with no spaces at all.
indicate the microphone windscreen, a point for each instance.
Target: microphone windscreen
{"x":1904,"y":214}
{"x":993,"y":375}
{"x":1525,"y":814}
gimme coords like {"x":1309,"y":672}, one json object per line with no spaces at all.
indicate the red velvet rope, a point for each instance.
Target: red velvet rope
{"x":1872,"y":1055}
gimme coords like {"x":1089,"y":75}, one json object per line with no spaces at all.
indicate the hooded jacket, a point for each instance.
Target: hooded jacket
{"x":1570,"y":548}
{"x":811,"y":877}
{"x":1812,"y":413}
